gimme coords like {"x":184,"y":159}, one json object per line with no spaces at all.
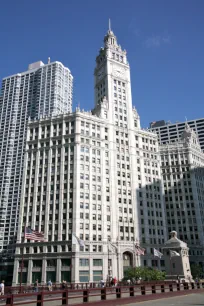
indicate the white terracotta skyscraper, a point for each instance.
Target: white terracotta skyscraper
{"x":95,"y":174}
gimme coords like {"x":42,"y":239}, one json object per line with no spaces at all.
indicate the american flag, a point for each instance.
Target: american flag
{"x":139,"y":250}
{"x":33,"y":235}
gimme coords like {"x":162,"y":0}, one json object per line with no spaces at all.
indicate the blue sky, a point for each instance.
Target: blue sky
{"x":164,"y":42}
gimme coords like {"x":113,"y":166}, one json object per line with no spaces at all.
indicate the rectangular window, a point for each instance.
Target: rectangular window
{"x":84,"y":276}
{"x":97,"y":262}
{"x":97,"y":276}
{"x":84,"y":262}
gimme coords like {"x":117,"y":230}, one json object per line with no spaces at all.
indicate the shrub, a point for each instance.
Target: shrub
{"x":143,"y":273}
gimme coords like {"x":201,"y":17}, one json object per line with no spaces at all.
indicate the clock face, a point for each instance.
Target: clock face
{"x":118,"y":71}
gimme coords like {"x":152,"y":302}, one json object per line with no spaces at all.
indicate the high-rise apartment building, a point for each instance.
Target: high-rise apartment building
{"x":95,"y":174}
{"x":182,"y":165}
{"x":170,"y":132}
{"x":39,"y":91}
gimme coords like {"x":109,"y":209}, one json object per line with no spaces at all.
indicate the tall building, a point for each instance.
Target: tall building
{"x":41,"y":90}
{"x":95,"y":174}
{"x":182,"y":164}
{"x":170,"y":132}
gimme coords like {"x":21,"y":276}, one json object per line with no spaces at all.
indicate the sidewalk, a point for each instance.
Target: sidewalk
{"x":161,"y":299}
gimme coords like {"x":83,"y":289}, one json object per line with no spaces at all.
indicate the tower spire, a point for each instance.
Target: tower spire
{"x":109,"y":24}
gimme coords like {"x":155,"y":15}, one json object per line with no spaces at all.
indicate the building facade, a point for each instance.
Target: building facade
{"x":171,"y":132}
{"x":182,"y":165}
{"x":41,"y":90}
{"x":95,"y":174}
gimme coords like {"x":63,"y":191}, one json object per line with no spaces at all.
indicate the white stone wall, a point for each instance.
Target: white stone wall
{"x":182,"y":169}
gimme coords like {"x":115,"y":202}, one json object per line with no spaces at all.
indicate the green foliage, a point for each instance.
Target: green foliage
{"x":144,"y":273}
{"x":196,"y":270}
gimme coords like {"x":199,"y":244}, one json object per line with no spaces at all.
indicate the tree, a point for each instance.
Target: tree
{"x":196,"y":270}
{"x":144,"y":273}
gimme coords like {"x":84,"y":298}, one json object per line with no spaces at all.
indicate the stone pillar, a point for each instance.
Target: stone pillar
{"x":75,"y":268}
{"x":58,"y":272}
{"x":114,"y":267}
{"x":105,"y":262}
{"x":120,"y":265}
{"x":15,"y":272}
{"x":30,"y":270}
{"x":44,"y":276}
{"x":91,"y":269}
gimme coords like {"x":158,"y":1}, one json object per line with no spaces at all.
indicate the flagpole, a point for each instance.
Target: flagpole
{"x":108,"y":263}
{"x":134,"y":250}
{"x":117,"y":258}
{"x":22,"y":263}
{"x":137,"y":258}
{"x":71,"y":256}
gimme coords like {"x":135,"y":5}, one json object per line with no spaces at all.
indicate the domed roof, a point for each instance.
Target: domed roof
{"x":174,"y":242}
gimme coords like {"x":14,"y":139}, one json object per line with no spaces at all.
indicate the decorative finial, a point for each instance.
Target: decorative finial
{"x":186,"y":119}
{"x":173,"y":234}
{"x":109,"y":25}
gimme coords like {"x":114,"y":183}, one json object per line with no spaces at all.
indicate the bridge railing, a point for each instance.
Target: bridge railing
{"x":82,"y":296}
{"x":90,"y":285}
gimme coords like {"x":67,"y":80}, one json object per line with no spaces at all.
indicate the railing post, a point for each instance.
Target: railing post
{"x":40,"y":299}
{"x":143,"y":292}
{"x":185,"y":286}
{"x":9,"y":300}
{"x":65,"y":297}
{"x":153,"y":289}
{"x":132,"y":292}
{"x":85,"y":296}
{"x":162,"y":288}
{"x":118,"y":292}
{"x":103,"y":294}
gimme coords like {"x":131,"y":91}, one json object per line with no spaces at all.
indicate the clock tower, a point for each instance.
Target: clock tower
{"x":113,"y":102}
{"x":112,"y":80}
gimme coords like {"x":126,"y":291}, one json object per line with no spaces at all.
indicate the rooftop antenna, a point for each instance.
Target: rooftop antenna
{"x":48,"y":61}
{"x":186,"y":119}
{"x":109,"y":24}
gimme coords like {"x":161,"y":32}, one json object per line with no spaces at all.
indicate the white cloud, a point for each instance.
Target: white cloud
{"x":156,"y":41}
